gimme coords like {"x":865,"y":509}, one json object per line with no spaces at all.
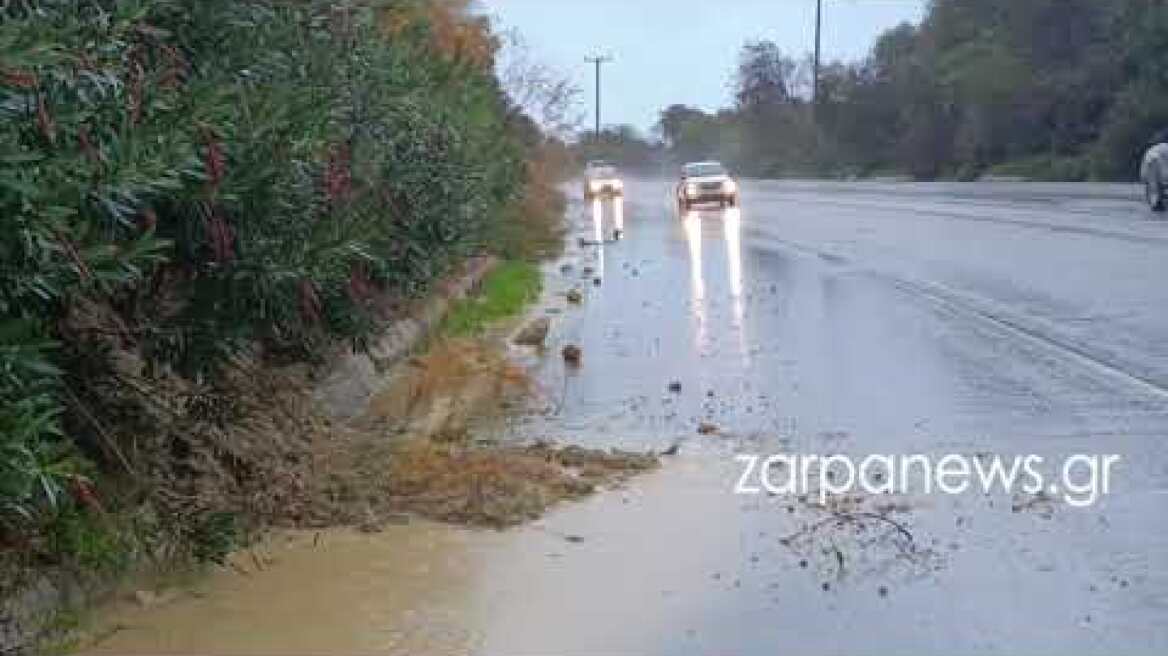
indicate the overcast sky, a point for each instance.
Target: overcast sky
{"x":668,"y":51}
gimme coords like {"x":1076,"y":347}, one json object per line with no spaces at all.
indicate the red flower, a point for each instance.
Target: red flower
{"x":338,"y":175}
{"x":45,"y":122}
{"x":221,"y":236}
{"x":214,"y":161}
{"x":176,"y":67}
{"x":310,"y":305}
{"x":147,"y":220}
{"x":84,"y":495}
{"x":18,"y":79}
{"x":87,"y":145}
{"x":136,"y":84}
{"x":360,"y":287}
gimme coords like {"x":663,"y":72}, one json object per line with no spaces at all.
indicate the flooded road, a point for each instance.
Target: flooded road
{"x":819,"y":319}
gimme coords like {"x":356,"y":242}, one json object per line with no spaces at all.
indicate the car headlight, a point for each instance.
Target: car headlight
{"x":617,"y":184}
{"x":691,"y":189}
{"x":594,"y":186}
{"x":730,"y":186}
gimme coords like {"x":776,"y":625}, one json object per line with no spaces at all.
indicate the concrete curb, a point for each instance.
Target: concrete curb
{"x":351,"y":379}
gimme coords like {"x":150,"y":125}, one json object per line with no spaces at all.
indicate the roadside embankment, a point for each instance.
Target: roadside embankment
{"x":410,"y":451}
{"x":290,"y":425}
{"x":222,"y":218}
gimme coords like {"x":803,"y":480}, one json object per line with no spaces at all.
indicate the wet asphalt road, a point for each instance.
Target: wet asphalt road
{"x":881,"y":310}
{"x":864,"y":318}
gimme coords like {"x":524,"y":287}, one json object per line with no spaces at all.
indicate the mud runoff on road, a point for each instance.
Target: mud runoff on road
{"x":642,"y":565}
{"x":671,"y":563}
{"x":423,"y":449}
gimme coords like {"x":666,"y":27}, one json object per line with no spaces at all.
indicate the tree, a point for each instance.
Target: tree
{"x":675,"y":120}
{"x":690,"y":134}
{"x":621,"y":144}
{"x":764,"y":76}
{"x":537,"y":90}
{"x":1060,"y":89}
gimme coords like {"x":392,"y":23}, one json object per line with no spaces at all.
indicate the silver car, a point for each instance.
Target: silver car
{"x":1154,"y":172}
{"x":706,"y":182}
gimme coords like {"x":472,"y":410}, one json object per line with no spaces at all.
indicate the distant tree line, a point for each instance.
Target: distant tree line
{"x":623,"y":145}
{"x":1057,"y":89}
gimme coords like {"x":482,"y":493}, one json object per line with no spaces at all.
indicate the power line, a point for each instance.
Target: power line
{"x":818,"y":33}
{"x":598,"y":61}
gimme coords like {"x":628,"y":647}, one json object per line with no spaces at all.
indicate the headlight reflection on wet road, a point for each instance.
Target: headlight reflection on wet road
{"x":693,"y":237}
{"x":732,"y":233}
{"x":598,"y":234}
{"x":618,"y":219}
{"x":731,"y":224}
{"x":598,"y":221}
{"x":618,"y":216}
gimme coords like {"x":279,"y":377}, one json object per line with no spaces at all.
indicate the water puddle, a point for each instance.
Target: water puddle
{"x":426,"y":588}
{"x":401,"y":591}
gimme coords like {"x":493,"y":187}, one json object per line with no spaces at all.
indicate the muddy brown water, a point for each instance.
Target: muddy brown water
{"x":810,"y":321}
{"x":424,"y":588}
{"x":337,"y":592}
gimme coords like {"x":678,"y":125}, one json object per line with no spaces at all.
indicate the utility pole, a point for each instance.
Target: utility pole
{"x":598,"y":61}
{"x":818,"y":32}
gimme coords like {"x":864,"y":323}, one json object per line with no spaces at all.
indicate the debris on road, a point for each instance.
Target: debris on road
{"x":707,"y":428}
{"x":534,"y":333}
{"x":371,"y":524}
{"x":1041,"y":503}
{"x":146,"y":598}
{"x":501,"y":487}
{"x":575,"y":296}
{"x":675,"y":387}
{"x":857,"y":535}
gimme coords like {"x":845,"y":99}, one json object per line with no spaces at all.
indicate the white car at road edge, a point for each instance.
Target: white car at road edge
{"x":601,"y":179}
{"x":1154,"y":172}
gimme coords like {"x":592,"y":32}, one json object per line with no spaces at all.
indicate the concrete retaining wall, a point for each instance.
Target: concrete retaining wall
{"x":352,"y":379}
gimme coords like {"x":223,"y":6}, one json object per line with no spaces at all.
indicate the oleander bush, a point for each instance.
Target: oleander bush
{"x":183,"y":181}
